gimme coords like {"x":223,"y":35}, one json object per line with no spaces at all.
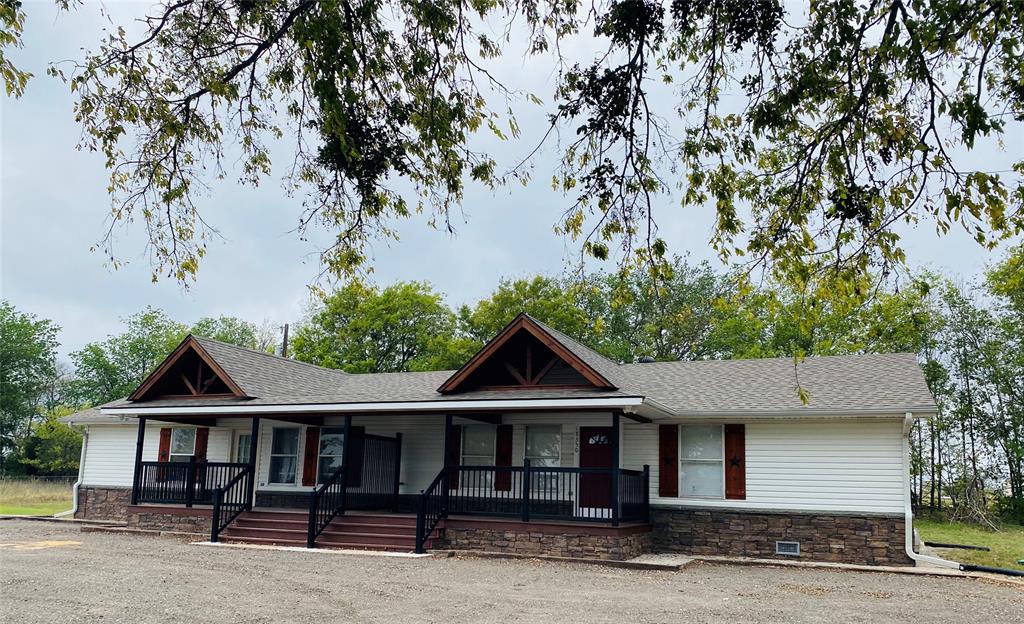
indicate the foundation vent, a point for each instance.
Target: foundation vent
{"x":787,"y":548}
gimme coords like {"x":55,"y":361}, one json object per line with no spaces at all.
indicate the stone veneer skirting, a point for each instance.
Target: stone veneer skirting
{"x":860,"y":539}
{"x":159,"y":518}
{"x":103,"y":503}
{"x":114,"y":503}
{"x":843,"y":538}
{"x":546,"y":538}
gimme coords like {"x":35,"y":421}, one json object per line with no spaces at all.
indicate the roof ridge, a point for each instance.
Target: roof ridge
{"x":273,"y":356}
{"x":834,"y":356}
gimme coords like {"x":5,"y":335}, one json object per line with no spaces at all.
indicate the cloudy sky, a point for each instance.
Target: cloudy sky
{"x":53,"y":206}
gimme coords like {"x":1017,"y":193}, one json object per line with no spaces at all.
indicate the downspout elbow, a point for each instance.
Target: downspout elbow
{"x":908,"y":509}
{"x":74,"y":488}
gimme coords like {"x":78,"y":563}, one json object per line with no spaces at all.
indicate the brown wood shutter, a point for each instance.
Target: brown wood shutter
{"x":668,"y":468}
{"x":454,"y":456}
{"x":735,"y":462}
{"x":310,"y":455}
{"x":354,"y":456}
{"x":503,"y":457}
{"x":164,"y":452}
{"x":202,"y":443}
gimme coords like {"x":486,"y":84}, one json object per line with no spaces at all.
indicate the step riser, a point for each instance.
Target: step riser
{"x":356,"y":531}
{"x":251,"y":523}
{"x":267,"y":534}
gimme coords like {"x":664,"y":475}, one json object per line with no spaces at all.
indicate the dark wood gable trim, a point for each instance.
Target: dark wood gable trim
{"x":188,"y":344}
{"x":523,"y":322}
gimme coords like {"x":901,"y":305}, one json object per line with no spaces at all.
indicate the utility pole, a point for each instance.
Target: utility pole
{"x":284,"y":345}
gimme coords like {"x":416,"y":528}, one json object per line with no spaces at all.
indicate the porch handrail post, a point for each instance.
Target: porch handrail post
{"x":615,"y":469}
{"x":313,"y":521}
{"x":421,"y":518}
{"x":190,"y":481}
{"x":215,"y":516}
{"x":525,"y":511}
{"x":139,"y":441}
{"x":647,"y":493}
{"x":254,"y":442}
{"x":398,"y":471}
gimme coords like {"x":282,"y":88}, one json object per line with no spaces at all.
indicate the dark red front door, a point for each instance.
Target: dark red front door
{"x":595,"y":452}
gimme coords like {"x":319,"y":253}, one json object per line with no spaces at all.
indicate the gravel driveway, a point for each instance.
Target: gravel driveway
{"x":54,"y":573}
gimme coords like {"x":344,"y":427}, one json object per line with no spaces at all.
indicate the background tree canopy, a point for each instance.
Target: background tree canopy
{"x":815,"y":132}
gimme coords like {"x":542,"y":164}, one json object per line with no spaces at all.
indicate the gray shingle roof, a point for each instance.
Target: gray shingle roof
{"x":834,"y":384}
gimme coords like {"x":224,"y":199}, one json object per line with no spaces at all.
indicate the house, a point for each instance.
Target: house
{"x":536,"y":445}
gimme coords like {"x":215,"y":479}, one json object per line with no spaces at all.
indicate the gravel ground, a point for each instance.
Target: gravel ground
{"x":54,"y":573}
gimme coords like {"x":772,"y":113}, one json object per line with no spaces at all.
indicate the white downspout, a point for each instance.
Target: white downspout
{"x":908,"y":509}
{"x":74,"y":489}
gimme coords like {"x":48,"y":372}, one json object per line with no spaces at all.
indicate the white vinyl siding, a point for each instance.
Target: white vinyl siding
{"x":847,"y":465}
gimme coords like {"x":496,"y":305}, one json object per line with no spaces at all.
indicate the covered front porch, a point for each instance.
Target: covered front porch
{"x":545,"y":470}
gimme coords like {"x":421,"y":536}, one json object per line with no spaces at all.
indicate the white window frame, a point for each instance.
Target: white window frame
{"x":320,"y":449}
{"x":462,"y":446}
{"x":238,"y":446}
{"x":682,"y":461}
{"x":170,"y":450}
{"x":298,"y":452}
{"x":526,"y":444}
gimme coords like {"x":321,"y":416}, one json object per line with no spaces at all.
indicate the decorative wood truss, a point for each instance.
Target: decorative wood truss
{"x":189,"y":371}
{"x":524,"y":355}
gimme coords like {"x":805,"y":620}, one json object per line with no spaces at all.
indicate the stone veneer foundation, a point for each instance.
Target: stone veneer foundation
{"x":114,"y":504}
{"x":546,"y":538}
{"x":180,"y":519}
{"x":860,"y":539}
{"x":103,"y":503}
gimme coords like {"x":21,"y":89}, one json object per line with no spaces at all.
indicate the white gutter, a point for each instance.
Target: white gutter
{"x":908,"y":510}
{"x":395,"y":406}
{"x":74,"y":488}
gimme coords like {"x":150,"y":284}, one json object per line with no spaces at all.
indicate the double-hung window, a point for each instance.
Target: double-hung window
{"x":544,"y":450}
{"x":478,"y":445}
{"x":544,"y":445}
{"x":701,"y":465}
{"x":243,"y":444}
{"x":332,"y":450}
{"x":183,"y":444}
{"x":284,"y":451}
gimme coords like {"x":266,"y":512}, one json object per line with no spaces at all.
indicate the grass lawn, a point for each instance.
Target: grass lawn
{"x":33,"y":498}
{"x":1007,"y":544}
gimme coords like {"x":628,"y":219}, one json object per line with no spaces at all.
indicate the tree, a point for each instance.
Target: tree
{"x":111,"y":369}
{"x":363,"y":329}
{"x":228,"y":329}
{"x":548,"y":300}
{"x":814,"y":136}
{"x":53,"y":448}
{"x":666,"y":318}
{"x":28,"y":347}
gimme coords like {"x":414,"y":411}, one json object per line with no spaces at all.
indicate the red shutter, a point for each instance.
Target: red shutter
{"x":310,"y":455}
{"x":354,"y":456}
{"x":503,"y":457}
{"x":735,"y":462}
{"x":668,"y":468}
{"x":202,"y":442}
{"x":454,"y":456}
{"x":164,"y":453}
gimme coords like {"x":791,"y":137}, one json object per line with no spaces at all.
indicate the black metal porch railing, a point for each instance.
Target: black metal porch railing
{"x":432,"y":509}
{"x":230,"y":500}
{"x":183,"y":483}
{"x":326,"y":502}
{"x":535,"y":493}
